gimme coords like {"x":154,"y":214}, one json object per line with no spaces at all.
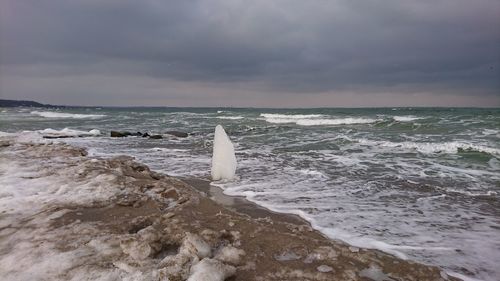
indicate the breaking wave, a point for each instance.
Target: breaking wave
{"x":313,"y":119}
{"x":408,"y":118}
{"x":429,"y":147}
{"x":51,"y":114}
{"x":290,"y":116}
{"x":66,"y":132}
{"x":231,"y":117}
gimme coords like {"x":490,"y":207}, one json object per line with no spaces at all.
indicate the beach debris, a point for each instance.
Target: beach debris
{"x":223,"y":159}
{"x":178,"y":134}
{"x":211,"y":270}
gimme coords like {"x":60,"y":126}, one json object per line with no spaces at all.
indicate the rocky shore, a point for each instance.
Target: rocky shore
{"x":67,"y":216}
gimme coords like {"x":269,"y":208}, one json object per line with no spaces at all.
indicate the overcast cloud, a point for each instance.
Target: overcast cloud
{"x":251,"y":53}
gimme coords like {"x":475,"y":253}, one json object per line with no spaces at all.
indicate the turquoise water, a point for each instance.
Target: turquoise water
{"x":420,"y":183}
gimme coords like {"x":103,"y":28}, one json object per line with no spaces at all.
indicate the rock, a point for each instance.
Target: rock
{"x":178,"y":134}
{"x":145,"y":135}
{"x":156,"y":137}
{"x":5,"y":143}
{"x":171,"y":194}
{"x":116,"y":134}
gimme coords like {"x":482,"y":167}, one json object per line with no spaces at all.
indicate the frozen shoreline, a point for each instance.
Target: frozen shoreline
{"x":69,"y":216}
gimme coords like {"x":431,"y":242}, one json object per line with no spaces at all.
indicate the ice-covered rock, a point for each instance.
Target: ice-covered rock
{"x":223,"y":158}
{"x":211,"y":270}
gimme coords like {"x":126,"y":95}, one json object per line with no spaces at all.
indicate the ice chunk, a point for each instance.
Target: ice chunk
{"x":136,"y":249}
{"x":374,"y":273}
{"x":195,"y":245}
{"x":223,"y":159}
{"x":324,"y":268}
{"x":211,"y":270}
{"x":230,"y":254}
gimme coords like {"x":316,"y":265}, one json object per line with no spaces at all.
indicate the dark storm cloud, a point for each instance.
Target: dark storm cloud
{"x":277,"y":46}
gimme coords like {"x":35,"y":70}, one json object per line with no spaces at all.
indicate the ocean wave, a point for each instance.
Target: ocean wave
{"x":408,"y":118}
{"x":429,"y":147}
{"x":52,"y":114}
{"x":42,"y":136}
{"x":230,"y":117}
{"x":314,"y":120}
{"x":66,"y":132}
{"x":290,"y":116}
{"x":164,"y":149}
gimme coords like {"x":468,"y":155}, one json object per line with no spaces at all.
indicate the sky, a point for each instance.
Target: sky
{"x":260,"y":53}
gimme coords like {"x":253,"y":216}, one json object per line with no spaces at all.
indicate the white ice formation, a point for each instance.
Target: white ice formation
{"x":223,"y":159}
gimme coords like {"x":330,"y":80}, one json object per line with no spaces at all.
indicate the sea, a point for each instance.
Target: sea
{"x":419,"y":183}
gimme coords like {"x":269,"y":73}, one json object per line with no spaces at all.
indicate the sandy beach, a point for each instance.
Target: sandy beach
{"x":68,"y":216}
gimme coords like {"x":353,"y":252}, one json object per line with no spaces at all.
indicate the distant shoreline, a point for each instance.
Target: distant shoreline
{"x":28,"y":103}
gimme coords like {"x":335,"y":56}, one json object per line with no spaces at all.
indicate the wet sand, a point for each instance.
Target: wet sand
{"x":165,"y":228}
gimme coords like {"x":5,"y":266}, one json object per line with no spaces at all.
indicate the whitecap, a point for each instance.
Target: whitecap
{"x":52,"y":114}
{"x":66,"y":132}
{"x":430,"y":147}
{"x":408,"y":118}
{"x":290,"y":116}
{"x":340,"y":121}
{"x":314,"y":119}
{"x":231,"y":117}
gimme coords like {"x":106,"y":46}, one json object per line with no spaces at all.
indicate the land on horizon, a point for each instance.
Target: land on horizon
{"x":30,"y":103}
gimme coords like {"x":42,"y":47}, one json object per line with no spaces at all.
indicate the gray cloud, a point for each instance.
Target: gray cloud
{"x":287,"y":48}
